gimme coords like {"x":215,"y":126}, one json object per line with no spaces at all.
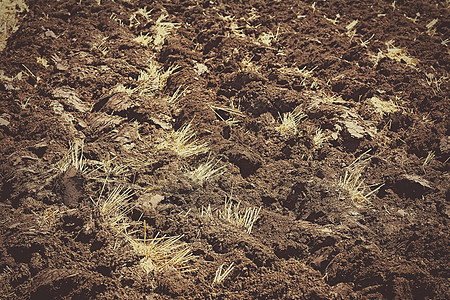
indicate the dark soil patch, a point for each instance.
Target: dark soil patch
{"x":373,"y":95}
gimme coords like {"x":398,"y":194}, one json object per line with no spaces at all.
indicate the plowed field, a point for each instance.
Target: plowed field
{"x":225,"y":150}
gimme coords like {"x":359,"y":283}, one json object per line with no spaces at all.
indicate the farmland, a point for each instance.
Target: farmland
{"x":224,"y":149}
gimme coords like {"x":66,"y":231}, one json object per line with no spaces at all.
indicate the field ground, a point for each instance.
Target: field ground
{"x":225,"y":150}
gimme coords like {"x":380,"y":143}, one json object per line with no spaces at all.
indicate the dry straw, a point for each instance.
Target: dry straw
{"x":319,"y":139}
{"x":233,"y":112}
{"x":240,"y":217}
{"x":206,"y":171}
{"x":9,"y":11}
{"x":153,"y":78}
{"x":143,"y":39}
{"x":73,"y":158}
{"x":116,"y":207}
{"x":163,"y":29}
{"x":353,"y":182}
{"x":290,"y":122}
{"x":234,"y":214}
{"x":184,"y":142}
{"x":137,"y":18}
{"x":220,"y":274}
{"x":162,"y":252}
{"x":159,"y":252}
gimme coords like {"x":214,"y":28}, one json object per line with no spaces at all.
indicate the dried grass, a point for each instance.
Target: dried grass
{"x":120,"y":88}
{"x":431,"y":155}
{"x":162,"y":252}
{"x":304,"y":74}
{"x":159,"y":252}
{"x":267,"y":38}
{"x":247,"y":66}
{"x":73,"y":158}
{"x":319,"y":139}
{"x":206,"y":171}
{"x":353,"y":182}
{"x":179,"y":92}
{"x":101,"y":46}
{"x":431,"y":27}
{"x":49,"y":216}
{"x":234,"y":27}
{"x":394,"y":53}
{"x":232,"y":111}
{"x":240,"y":217}
{"x":184,"y":142}
{"x":141,"y":17}
{"x":163,"y":29}
{"x":400,"y":54}
{"x":290,"y":122}
{"x":42,"y":61}
{"x":383,"y":107}
{"x":233,"y":213}
{"x":143,"y":39}
{"x":435,"y":82}
{"x":220,"y":276}
{"x":110,"y":166}
{"x":351,"y":31}
{"x":153,"y":78}
{"x":115,"y":208}
{"x":9,"y":21}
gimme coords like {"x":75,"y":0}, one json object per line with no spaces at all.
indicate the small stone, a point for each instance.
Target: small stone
{"x":4,"y":122}
{"x":401,"y":212}
{"x":155,"y":199}
{"x":201,"y":68}
{"x":50,"y":33}
{"x":62,"y":67}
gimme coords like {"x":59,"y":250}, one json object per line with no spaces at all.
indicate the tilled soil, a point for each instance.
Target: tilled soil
{"x":354,"y":196}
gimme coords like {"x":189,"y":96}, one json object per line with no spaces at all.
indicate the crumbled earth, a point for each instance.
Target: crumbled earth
{"x":376,"y":91}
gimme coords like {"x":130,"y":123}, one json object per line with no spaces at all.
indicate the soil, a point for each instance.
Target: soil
{"x":313,"y":239}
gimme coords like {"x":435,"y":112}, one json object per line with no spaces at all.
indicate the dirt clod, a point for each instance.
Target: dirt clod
{"x":225,"y":150}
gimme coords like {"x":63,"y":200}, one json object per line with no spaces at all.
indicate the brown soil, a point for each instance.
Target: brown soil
{"x":312,"y":239}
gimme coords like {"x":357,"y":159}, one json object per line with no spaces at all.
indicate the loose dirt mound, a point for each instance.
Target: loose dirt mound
{"x":226,"y":149}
